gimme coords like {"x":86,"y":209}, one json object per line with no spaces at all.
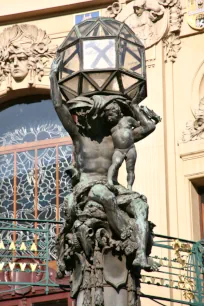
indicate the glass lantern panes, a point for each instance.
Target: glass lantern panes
{"x":125,"y":33}
{"x":102,"y":55}
{"x":112,"y":25}
{"x":71,"y":61}
{"x":66,"y":93}
{"x":128,"y":34}
{"x":100,"y":78}
{"x":130,"y":57}
{"x":69,"y":39}
{"x":99,"y":30}
{"x":72,"y":84}
{"x":85,"y":26}
{"x":87,"y":86}
{"x":99,"y":54}
{"x":133,"y":92}
{"x":128,"y":81}
{"x":72,"y":37}
{"x":113,"y":85}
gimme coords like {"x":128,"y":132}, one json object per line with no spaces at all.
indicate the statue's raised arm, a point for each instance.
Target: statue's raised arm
{"x":147,"y":118}
{"x":61,"y":109}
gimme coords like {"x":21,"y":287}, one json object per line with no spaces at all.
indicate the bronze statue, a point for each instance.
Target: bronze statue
{"x":107,"y":238}
{"x":101,"y":211}
{"x":122,"y":133}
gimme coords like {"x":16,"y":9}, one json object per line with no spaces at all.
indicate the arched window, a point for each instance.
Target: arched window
{"x":35,"y":152}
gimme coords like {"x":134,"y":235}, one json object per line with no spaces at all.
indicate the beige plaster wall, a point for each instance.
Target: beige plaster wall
{"x":190,"y":164}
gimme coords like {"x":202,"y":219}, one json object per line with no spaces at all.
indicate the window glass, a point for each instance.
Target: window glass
{"x":26,"y":122}
{"x":33,"y":181}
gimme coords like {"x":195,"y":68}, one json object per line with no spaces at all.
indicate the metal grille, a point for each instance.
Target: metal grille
{"x":33,"y":184}
{"x":179,"y":279}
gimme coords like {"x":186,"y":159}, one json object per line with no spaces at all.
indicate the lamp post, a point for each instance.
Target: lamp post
{"x":99,"y":75}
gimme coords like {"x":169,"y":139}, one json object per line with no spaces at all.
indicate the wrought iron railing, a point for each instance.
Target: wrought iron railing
{"x":181,"y":271}
{"x":24,"y":247}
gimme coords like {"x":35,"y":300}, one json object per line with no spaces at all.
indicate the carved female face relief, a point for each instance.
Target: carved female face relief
{"x":24,"y":49}
{"x":18,"y":66}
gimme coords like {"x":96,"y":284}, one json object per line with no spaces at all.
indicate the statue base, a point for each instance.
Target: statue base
{"x":105,"y":264}
{"x":106,"y":281}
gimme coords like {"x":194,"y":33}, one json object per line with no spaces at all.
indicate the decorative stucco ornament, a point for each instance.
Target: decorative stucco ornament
{"x":195,"y":14}
{"x":172,"y":45}
{"x":195,"y":128}
{"x":175,"y":14}
{"x":147,"y":19}
{"x":114,"y":9}
{"x":25,"y":50}
{"x":152,"y":21}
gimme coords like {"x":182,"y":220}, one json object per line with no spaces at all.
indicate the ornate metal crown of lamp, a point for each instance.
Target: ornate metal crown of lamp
{"x":102,"y":56}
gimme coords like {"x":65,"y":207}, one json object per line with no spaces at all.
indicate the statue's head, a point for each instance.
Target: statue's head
{"x":139,"y":7}
{"x":112,"y":113}
{"x":19,"y":66}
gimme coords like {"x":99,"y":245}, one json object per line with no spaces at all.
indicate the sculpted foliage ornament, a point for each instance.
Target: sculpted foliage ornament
{"x":175,"y":14}
{"x":195,"y":128}
{"x":24,"y":50}
{"x":172,"y":45}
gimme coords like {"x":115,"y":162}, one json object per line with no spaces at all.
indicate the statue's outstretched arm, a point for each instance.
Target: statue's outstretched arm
{"x":147,"y":122}
{"x":61,"y":109}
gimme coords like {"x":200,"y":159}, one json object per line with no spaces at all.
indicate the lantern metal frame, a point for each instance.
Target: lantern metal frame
{"x":76,"y":37}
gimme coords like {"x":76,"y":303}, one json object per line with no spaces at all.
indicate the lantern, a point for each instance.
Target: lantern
{"x":102,"y":56}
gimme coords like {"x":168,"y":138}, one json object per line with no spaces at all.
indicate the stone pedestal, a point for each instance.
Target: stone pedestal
{"x":105,"y":282}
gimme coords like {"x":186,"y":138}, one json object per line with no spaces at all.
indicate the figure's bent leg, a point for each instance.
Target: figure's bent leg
{"x":105,"y":197}
{"x":140,"y":208}
{"x":69,"y":221}
{"x":130,"y":166}
{"x":117,"y":161}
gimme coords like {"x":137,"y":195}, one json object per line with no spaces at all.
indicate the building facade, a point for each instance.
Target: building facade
{"x":35,"y":150}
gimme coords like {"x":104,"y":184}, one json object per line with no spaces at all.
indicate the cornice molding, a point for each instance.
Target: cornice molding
{"x":39,"y":11}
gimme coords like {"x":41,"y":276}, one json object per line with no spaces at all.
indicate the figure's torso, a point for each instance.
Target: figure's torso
{"x":93,"y":157}
{"x":122,"y":134}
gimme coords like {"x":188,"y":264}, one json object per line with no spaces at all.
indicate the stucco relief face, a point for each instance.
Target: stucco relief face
{"x":138,"y":10}
{"x":24,"y":50}
{"x":18,"y":66}
{"x":139,"y":7}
